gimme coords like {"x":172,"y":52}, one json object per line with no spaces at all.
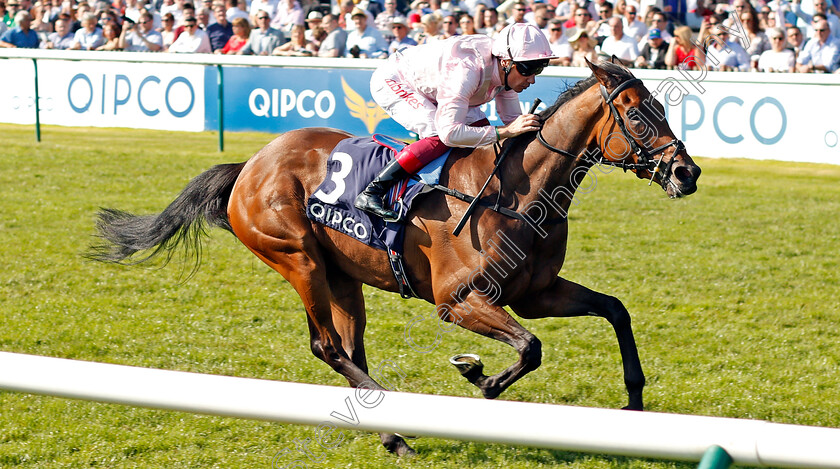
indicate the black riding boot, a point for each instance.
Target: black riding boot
{"x":370,"y":200}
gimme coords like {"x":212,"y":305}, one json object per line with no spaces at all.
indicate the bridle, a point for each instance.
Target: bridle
{"x":645,"y":159}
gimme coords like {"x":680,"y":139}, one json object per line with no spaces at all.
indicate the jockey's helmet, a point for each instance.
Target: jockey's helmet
{"x":522,"y":42}
{"x":525,"y":46}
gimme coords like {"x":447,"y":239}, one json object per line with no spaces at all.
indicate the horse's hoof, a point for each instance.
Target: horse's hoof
{"x":396,"y":444}
{"x":629,"y":407}
{"x":408,"y":452}
{"x":467,"y":363}
{"x":401,"y":449}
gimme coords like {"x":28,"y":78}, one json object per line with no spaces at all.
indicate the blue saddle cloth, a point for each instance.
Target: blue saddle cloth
{"x":351,"y":166}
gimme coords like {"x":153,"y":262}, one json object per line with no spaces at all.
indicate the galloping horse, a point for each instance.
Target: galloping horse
{"x":608,"y":118}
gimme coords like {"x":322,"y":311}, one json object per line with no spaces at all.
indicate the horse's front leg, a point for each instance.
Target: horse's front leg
{"x":475,"y":314}
{"x":567,"y":299}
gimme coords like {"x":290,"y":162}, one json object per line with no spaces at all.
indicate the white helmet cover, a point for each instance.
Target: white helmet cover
{"x":522,"y":42}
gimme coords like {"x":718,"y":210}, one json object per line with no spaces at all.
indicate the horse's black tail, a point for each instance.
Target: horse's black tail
{"x":203,"y":202}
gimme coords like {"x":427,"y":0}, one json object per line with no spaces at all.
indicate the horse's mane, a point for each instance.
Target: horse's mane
{"x":583,"y":85}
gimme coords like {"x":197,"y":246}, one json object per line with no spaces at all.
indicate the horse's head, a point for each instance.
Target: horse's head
{"x":636,"y":135}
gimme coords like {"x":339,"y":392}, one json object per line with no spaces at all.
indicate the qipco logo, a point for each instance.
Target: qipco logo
{"x":153,"y":96}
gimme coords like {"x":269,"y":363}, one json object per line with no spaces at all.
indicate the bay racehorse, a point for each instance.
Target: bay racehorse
{"x":609,"y":118}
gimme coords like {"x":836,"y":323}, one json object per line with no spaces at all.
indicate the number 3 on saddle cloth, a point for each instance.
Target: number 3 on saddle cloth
{"x":351,"y":166}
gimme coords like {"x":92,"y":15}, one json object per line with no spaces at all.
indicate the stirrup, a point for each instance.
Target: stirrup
{"x":398,"y":209}
{"x":368,"y":207}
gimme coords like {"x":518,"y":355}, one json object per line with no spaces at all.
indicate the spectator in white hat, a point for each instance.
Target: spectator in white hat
{"x":314,"y":20}
{"x":365,"y":41}
{"x":401,"y":38}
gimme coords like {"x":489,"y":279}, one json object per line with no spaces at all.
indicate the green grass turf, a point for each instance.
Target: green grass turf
{"x":733,"y":292}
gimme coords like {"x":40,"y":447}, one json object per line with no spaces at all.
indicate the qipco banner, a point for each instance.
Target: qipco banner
{"x":716,"y":114}
{"x":282,"y":99}
{"x":781,"y":121}
{"x":105,"y":94}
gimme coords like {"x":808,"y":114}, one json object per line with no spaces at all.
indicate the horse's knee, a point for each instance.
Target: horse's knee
{"x":532,"y":353}
{"x":616,"y":313}
{"x":317,"y":349}
{"x":324,"y":352}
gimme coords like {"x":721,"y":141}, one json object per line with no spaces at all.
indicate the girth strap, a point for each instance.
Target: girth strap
{"x":398,"y":268}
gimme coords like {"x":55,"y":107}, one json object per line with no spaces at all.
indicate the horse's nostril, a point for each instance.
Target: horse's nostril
{"x":683,"y":174}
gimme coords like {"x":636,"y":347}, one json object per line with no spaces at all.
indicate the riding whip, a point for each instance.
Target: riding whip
{"x":495,"y":168}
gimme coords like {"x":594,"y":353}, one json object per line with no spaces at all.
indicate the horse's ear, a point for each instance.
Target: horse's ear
{"x":615,"y":60}
{"x":604,"y":77}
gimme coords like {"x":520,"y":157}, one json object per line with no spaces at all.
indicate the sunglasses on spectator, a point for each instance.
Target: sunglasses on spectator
{"x":556,"y":29}
{"x":531,"y":67}
{"x":631,"y":13}
{"x":777,"y":38}
{"x":820,"y":30}
{"x":262,"y":17}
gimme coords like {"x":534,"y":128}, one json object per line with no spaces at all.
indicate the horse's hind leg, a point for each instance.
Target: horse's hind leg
{"x":567,"y":299}
{"x":494,"y":322}
{"x":348,"y":314}
{"x":308,"y":276}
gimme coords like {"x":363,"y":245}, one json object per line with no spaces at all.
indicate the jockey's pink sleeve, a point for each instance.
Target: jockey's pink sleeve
{"x":459,"y":76}
{"x":507,"y":106}
{"x":458,"y":83}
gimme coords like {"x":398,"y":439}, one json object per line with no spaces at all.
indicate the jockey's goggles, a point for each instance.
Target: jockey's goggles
{"x":531,"y":67}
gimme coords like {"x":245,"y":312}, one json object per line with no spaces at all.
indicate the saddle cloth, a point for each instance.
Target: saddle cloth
{"x":351,"y":166}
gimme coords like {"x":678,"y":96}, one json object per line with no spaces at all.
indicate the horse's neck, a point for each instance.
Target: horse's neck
{"x":573,"y":128}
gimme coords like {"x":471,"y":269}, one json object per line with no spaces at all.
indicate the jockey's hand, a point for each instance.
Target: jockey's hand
{"x":522,"y":124}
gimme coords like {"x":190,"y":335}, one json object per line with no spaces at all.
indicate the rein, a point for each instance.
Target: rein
{"x":644,"y":158}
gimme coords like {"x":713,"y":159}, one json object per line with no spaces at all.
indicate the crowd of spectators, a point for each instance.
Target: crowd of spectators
{"x":737,"y":35}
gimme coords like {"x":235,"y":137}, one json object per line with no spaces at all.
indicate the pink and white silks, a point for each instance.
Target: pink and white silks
{"x":436,"y":89}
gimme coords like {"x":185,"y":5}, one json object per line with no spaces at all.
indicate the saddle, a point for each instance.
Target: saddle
{"x":351,"y":165}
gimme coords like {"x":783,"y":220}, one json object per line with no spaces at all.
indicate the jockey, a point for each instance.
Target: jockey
{"x":436,"y":89}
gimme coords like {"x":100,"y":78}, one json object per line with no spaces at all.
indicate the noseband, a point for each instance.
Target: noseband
{"x":644,"y":158}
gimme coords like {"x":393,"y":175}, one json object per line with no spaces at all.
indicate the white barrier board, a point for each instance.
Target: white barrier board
{"x":104,"y":94}
{"x":716,"y":114}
